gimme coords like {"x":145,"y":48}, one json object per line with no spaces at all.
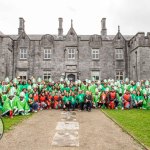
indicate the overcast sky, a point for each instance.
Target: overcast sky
{"x":41,"y":16}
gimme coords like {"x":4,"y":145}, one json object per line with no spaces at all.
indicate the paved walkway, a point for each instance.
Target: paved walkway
{"x":94,"y":131}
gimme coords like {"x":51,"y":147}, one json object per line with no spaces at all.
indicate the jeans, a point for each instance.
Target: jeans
{"x":88,"y":105}
{"x":82,"y":105}
{"x":34,"y":106}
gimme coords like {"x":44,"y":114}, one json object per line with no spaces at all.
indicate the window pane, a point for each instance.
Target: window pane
{"x":97,"y":77}
{"x":73,"y":56}
{"x":49,"y":56}
{"x":121,"y":77}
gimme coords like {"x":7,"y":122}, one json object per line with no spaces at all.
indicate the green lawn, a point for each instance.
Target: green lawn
{"x":136,"y":122}
{"x":9,"y":123}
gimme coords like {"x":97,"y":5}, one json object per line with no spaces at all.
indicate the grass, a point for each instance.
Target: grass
{"x":10,"y":123}
{"x":135,"y":121}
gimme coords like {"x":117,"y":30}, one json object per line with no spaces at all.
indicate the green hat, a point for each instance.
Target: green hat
{"x":33,"y":80}
{"x":76,"y":82}
{"x":93,"y":78}
{"x":11,"y":93}
{"x":89,"y":81}
{"x":111,"y":84}
{"x":39,"y":79}
{"x":126,"y":80}
{"x":0,"y":90}
{"x":50,"y":80}
{"x":34,"y":86}
{"x":105,"y":80}
{"x":115,"y":88}
{"x":68,"y":82}
{"x":100,"y":87}
{"x":138,"y":84}
{"x":144,"y":91}
{"x":4,"y":88}
{"x":131,"y":89}
{"x":96,"y":90}
{"x":15,"y":80}
{"x":79,"y":81}
{"x":119,"y":85}
{"x":29,"y":87}
{"x":22,"y":94}
{"x":98,"y":82}
{"x":66,"y":79}
{"x":7,"y":79}
{"x":13,"y":89}
{"x":61,"y":79}
{"x":146,"y":82}
{"x":112,"y":80}
{"x":107,"y":89}
{"x":120,"y":90}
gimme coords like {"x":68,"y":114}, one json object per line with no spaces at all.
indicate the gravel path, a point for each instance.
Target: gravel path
{"x":96,"y":132}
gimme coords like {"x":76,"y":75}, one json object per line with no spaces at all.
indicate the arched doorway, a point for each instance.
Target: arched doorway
{"x":71,"y":77}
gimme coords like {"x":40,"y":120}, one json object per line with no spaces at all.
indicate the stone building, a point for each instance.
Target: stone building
{"x":75,"y":56}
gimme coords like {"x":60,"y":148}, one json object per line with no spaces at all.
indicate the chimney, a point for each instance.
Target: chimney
{"x":60,"y":29}
{"x":103,"y":25}
{"x":21,"y":25}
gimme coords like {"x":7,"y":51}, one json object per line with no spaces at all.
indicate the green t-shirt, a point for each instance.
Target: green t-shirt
{"x":72,"y":99}
{"x":66,"y":99}
{"x":80,"y":97}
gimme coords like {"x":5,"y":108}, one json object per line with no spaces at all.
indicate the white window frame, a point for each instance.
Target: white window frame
{"x":95,"y":54}
{"x":46,"y":75}
{"x":23,"y":53}
{"x":71,"y":53}
{"x":47,"y":53}
{"x":119,"y":53}
{"x":95,"y":74}
{"x":119,"y":74}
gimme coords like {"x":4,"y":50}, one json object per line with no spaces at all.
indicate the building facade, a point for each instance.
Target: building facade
{"x":75,"y":56}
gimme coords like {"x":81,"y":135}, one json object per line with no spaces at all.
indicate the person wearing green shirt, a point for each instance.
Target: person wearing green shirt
{"x":80,"y":98}
{"x":73,"y":101}
{"x":139,"y":99}
{"x":96,"y":98}
{"x":133,"y":99}
{"x":10,"y":106}
{"x":23,"y":107}
{"x":66,"y":101}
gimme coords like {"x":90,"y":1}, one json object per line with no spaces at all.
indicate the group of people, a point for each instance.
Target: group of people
{"x":20,"y":97}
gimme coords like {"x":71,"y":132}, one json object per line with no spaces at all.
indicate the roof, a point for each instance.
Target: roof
{"x":56,"y":37}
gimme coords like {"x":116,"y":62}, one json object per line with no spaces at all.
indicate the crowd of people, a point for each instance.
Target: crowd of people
{"x":20,"y":97}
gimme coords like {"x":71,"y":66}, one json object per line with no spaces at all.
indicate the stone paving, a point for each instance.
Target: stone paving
{"x":90,"y":131}
{"x":67,"y":130}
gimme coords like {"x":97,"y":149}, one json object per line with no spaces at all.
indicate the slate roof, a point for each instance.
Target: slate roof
{"x":56,"y":37}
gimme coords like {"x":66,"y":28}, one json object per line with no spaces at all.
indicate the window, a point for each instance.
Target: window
{"x":119,"y":53}
{"x":71,"y":53}
{"x":23,"y":77}
{"x":47,"y":53}
{"x":119,"y":75}
{"x":95,"y":53}
{"x":95,"y":75}
{"x":23,"y":53}
{"x":46,"y":75}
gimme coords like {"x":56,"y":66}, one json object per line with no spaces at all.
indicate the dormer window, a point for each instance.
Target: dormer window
{"x":71,"y":52}
{"x":119,"y":54}
{"x":95,"y":54}
{"x":23,"y":53}
{"x":47,"y":53}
